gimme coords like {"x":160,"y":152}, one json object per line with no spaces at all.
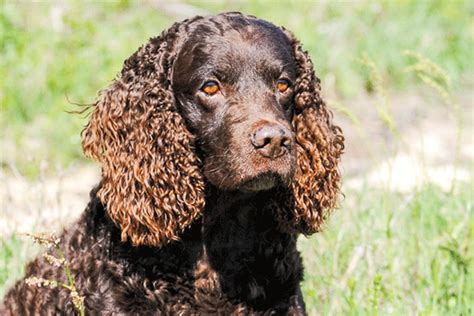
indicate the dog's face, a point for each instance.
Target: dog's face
{"x":235,"y":90}
{"x":229,"y":100}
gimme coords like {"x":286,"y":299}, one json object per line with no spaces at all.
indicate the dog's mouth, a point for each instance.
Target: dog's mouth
{"x":262,"y":182}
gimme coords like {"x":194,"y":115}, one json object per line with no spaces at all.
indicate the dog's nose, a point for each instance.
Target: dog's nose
{"x":272,"y":141}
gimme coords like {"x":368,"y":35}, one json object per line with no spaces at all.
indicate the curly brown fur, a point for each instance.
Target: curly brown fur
{"x":203,"y":195}
{"x":151,"y":183}
{"x":319,"y":147}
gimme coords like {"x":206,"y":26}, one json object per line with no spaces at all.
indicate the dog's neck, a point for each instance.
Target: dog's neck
{"x":254,"y":259}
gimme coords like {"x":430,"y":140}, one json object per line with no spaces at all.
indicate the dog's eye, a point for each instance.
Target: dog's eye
{"x":210,"y":88}
{"x":282,"y":85}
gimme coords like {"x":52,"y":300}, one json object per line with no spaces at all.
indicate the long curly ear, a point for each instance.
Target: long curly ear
{"x":319,"y":145}
{"x":151,"y":186}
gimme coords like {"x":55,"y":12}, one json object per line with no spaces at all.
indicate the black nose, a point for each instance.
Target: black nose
{"x":272,"y":140}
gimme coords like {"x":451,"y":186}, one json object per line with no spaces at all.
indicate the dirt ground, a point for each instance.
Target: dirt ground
{"x":425,"y":150}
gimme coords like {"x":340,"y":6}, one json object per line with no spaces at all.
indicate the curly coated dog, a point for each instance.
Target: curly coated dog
{"x":217,"y":151}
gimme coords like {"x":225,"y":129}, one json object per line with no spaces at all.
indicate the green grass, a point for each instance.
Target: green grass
{"x":384,"y":253}
{"x":15,"y":251}
{"x":48,"y":69}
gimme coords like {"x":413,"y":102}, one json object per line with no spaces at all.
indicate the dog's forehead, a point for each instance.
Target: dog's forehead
{"x":251,"y":49}
{"x":251,"y":41}
{"x":231,"y":51}
{"x":248,"y":46}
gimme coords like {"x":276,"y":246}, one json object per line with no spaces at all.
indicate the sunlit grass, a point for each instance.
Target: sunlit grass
{"x":15,"y":251}
{"x":416,"y":258}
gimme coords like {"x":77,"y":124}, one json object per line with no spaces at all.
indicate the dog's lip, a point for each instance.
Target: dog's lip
{"x":262,"y":182}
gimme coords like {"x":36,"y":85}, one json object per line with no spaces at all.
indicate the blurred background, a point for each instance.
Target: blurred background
{"x":398,"y":76}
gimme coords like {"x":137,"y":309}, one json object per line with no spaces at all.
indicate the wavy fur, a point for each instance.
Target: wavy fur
{"x":152,"y":186}
{"x":159,"y":236}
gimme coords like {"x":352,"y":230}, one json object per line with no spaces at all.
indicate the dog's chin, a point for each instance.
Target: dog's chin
{"x":262,"y":182}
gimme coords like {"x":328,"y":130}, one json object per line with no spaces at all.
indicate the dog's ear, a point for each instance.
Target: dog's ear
{"x":152,"y":187}
{"x":319,"y":145}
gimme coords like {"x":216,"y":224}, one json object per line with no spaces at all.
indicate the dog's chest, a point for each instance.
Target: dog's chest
{"x":253,"y":281}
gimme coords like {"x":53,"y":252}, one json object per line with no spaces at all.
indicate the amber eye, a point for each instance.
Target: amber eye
{"x":283,"y":85}
{"x":210,"y":88}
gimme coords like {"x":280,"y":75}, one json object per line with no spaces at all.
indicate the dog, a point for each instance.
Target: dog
{"x":217,"y":152}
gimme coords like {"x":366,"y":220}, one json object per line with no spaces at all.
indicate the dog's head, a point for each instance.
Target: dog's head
{"x":228,"y":100}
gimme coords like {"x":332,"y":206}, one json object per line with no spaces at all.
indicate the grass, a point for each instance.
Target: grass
{"x":394,"y":254}
{"x":14,"y":253}
{"x":57,"y":259}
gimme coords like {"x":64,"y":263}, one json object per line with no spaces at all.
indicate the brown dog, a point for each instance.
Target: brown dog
{"x":217,"y":151}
